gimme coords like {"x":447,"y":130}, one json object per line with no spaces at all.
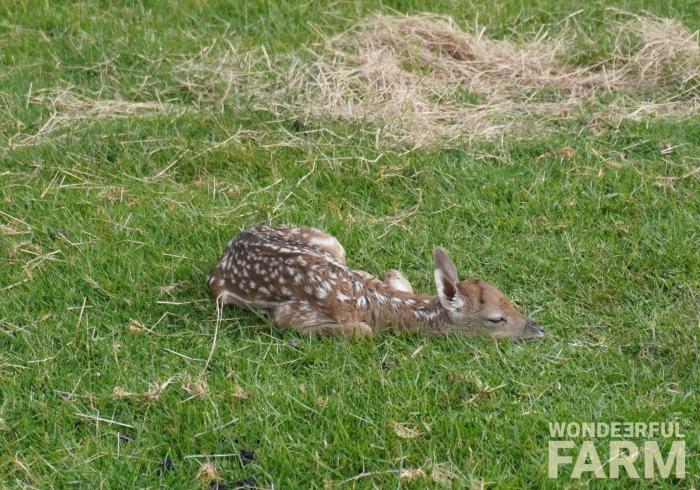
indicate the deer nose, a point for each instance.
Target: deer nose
{"x":533,"y":329}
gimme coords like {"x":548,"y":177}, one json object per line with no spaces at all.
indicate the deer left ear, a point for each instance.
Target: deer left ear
{"x":446,"y":281}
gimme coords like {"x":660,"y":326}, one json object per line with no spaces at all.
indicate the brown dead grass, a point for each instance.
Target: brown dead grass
{"x":196,"y":387}
{"x":410,"y":474}
{"x":406,"y":432}
{"x":208,"y":473}
{"x":240,"y":393}
{"x":66,"y":107}
{"x":421,"y":79}
{"x":443,"y":474}
{"x":154,"y":392}
{"x":668,"y":52}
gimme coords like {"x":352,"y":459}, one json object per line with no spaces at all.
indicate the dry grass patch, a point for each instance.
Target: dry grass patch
{"x":195,"y":388}
{"x":406,"y":432}
{"x":67,"y":108}
{"x":442,"y":474}
{"x":668,"y":52}
{"x":154,"y":392}
{"x":240,"y":393}
{"x":208,"y":473}
{"x":421,"y":79}
{"x":410,"y":474}
{"x":418,"y":80}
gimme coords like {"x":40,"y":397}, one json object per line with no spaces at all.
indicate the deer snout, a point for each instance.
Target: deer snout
{"x":532,"y":330}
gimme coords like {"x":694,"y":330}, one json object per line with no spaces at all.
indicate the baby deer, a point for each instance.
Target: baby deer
{"x":299,"y":276}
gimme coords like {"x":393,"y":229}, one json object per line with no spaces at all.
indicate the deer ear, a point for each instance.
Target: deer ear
{"x":446,"y":281}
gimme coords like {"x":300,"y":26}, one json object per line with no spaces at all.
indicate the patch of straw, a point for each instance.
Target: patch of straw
{"x":67,"y":108}
{"x":154,"y":392}
{"x":442,"y":474}
{"x":196,"y":387}
{"x":667,"y":50}
{"x":419,"y":80}
{"x":240,"y":393}
{"x":208,"y":473}
{"x":410,"y":474}
{"x":405,"y":432}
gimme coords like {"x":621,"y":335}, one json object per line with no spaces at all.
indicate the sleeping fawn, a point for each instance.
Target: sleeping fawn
{"x":299,"y":276}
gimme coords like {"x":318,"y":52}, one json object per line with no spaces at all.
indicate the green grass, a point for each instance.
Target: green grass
{"x":600,"y":245}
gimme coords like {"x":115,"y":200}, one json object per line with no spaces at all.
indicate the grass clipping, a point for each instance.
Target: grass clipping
{"x":420,"y":79}
{"x":67,"y":108}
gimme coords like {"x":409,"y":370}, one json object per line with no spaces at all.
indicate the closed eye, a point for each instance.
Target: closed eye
{"x":500,"y":319}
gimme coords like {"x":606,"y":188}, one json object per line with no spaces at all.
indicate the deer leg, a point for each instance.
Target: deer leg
{"x":322,"y":240}
{"x":392,"y":278}
{"x":396,"y":280}
{"x":220,"y":292}
{"x":351,"y":329}
{"x":299,"y":316}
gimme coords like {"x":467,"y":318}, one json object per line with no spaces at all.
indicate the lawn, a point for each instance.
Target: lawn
{"x":123,"y":176}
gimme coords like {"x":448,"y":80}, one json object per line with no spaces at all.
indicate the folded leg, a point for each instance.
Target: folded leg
{"x":322,"y":240}
{"x":396,"y":280}
{"x":300,"y":316}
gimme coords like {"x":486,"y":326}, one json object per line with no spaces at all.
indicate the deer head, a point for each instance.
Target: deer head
{"x":474,"y":306}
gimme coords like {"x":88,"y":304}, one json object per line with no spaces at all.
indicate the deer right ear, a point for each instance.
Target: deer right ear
{"x":446,"y":281}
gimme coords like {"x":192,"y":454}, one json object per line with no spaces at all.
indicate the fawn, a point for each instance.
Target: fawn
{"x":299,"y":276}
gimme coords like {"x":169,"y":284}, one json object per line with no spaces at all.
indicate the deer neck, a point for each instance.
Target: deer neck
{"x":383,"y":307}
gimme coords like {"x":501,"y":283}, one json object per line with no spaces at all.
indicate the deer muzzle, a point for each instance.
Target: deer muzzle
{"x":532,"y":330}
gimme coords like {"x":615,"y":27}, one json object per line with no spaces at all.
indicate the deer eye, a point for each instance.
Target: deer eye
{"x":499,"y":319}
